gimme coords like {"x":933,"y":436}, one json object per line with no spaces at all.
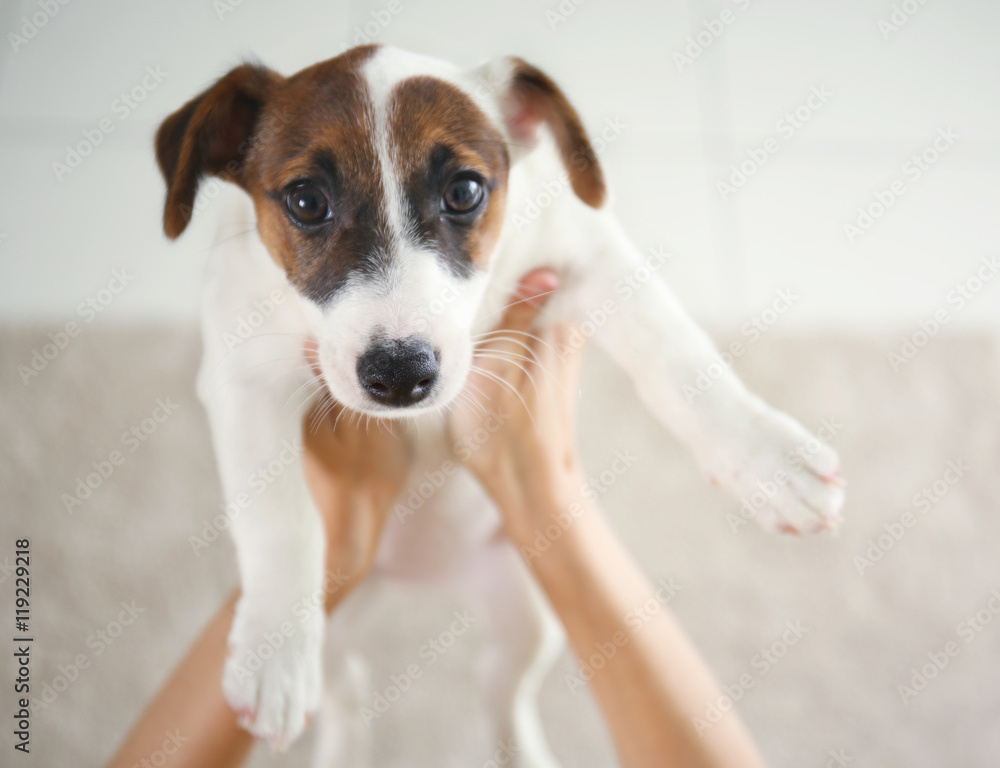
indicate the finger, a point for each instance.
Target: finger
{"x":559,"y":354}
{"x":311,"y":351}
{"x":560,"y":357}
{"x":509,"y":350}
{"x":567,"y":351}
{"x":530,"y":296}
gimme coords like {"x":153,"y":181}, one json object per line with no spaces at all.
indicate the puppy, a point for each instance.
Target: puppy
{"x":389,"y":194}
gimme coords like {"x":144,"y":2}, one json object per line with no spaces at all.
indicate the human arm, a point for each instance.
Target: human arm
{"x":656,"y":684}
{"x":353,"y":474}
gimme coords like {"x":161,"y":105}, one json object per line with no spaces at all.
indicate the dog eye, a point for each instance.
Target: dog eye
{"x":307,"y":204}
{"x":462,"y":196}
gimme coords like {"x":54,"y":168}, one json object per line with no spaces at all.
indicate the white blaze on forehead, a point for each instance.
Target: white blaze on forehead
{"x":390,"y":66}
{"x":414,"y":283}
{"x":413,"y":293}
{"x":386,"y":69}
{"x":380,"y":84}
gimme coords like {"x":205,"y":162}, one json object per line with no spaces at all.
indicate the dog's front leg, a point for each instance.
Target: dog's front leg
{"x":272,"y":676}
{"x":787,"y":478}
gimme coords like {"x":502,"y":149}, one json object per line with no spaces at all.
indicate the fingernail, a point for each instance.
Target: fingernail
{"x":789,"y":529}
{"x":536,"y":287}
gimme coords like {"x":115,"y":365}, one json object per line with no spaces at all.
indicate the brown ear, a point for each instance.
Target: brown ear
{"x":533,"y":98}
{"x":209,"y":136}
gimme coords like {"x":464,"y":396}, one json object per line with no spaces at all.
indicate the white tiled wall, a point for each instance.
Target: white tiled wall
{"x":889,"y":94}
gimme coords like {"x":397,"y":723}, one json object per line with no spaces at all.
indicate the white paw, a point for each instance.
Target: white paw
{"x":273,"y":675}
{"x":783,"y":477}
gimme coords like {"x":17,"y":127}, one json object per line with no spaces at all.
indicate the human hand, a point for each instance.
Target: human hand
{"x":523,"y":391}
{"x":355,"y":468}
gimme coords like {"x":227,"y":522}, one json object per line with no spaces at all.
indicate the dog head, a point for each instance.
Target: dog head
{"x":379,"y":180}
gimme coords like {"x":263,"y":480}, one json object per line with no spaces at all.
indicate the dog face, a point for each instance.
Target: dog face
{"x":379,"y":180}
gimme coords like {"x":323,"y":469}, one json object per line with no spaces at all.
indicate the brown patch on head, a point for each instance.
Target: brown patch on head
{"x":268,"y":133}
{"x":327,"y":143}
{"x":316,"y":132}
{"x":440,"y":136}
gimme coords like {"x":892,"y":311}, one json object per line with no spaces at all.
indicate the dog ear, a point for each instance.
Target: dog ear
{"x":210,"y":135}
{"x":532,"y":98}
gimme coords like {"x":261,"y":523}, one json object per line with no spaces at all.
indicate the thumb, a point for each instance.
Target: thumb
{"x":498,"y":353}
{"x":311,"y":351}
{"x":530,"y":296}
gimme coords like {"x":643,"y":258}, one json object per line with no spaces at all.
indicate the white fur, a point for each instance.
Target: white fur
{"x":257,"y":392}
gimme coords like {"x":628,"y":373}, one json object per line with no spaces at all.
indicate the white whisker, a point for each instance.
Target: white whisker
{"x":507,"y":384}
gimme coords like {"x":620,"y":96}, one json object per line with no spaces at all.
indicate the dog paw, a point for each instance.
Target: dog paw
{"x":783,"y":477}
{"x":273,"y":676}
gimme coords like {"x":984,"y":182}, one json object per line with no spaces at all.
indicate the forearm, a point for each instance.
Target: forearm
{"x":191,"y":706}
{"x":656,"y":683}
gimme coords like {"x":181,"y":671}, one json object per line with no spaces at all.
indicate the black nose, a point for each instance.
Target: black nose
{"x":398,"y":373}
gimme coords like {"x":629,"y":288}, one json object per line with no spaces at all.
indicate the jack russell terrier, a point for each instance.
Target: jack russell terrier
{"x":385,"y":190}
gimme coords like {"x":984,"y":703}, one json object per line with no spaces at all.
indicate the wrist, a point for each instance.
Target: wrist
{"x":540,"y":511}
{"x":563,"y":547}
{"x":353,"y":531}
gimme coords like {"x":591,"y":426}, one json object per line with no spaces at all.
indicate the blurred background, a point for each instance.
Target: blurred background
{"x":844,"y":154}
